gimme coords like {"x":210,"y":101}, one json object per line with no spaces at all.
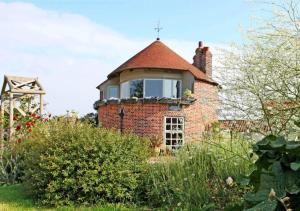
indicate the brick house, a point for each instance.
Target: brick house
{"x":150,"y":91}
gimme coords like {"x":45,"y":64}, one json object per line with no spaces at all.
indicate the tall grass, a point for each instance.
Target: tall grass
{"x":196,"y":177}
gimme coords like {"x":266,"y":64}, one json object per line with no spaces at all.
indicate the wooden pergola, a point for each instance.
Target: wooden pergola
{"x":14,"y":90}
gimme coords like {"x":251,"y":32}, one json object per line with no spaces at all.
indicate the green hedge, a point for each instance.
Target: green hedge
{"x":74,"y":163}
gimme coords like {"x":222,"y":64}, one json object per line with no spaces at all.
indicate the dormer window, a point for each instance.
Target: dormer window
{"x":149,"y":88}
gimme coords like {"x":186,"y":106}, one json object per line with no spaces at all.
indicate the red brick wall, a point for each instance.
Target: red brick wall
{"x":147,"y":119}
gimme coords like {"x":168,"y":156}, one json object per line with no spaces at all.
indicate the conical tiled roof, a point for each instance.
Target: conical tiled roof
{"x":158,"y":56}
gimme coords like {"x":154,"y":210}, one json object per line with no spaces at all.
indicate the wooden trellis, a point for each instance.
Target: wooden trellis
{"x":15,"y":89}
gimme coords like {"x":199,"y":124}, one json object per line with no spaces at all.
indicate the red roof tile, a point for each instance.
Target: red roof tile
{"x":158,"y":55}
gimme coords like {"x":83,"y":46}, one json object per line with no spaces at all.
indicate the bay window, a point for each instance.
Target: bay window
{"x":148,"y":88}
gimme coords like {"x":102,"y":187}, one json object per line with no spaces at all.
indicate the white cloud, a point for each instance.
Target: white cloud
{"x":69,"y":53}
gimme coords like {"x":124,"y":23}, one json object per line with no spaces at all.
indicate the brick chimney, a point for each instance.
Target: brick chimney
{"x":203,"y":59}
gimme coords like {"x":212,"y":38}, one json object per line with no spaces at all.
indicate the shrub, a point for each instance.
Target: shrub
{"x":68,"y":163}
{"x":196,"y":177}
{"x":276,"y":179}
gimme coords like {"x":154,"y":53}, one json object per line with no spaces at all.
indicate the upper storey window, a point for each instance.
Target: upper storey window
{"x":136,"y":88}
{"x":148,"y":88}
{"x":172,"y":88}
{"x":153,"y":88}
{"x":113,"y":92}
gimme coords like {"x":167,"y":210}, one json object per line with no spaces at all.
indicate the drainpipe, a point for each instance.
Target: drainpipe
{"x":121,"y":114}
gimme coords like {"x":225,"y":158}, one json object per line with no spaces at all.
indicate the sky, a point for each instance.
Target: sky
{"x":71,"y":45}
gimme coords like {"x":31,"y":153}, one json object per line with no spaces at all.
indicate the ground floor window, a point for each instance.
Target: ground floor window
{"x":174,"y":128}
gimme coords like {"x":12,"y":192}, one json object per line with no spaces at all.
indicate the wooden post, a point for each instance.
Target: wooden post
{"x":1,"y":127}
{"x":11,"y":114}
{"x":41,"y":105}
{"x":2,"y":119}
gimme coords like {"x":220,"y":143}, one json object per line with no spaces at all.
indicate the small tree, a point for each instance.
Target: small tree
{"x":263,"y":75}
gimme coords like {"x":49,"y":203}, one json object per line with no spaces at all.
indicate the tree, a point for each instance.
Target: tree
{"x":263,"y":74}
{"x":91,"y":118}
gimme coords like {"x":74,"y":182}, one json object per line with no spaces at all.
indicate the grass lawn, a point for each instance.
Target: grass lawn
{"x":14,"y":198}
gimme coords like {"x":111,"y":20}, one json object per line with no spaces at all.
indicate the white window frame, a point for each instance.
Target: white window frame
{"x":112,"y":86}
{"x":165,"y":131}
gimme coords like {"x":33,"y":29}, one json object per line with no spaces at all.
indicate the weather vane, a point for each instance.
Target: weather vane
{"x":158,"y":29}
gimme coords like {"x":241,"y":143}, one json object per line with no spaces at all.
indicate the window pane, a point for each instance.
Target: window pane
{"x":168,"y":127}
{"x":167,"y":88}
{"x":153,"y":88}
{"x":168,"y":142}
{"x":176,"y":89}
{"x":125,"y":90}
{"x":113,"y":92}
{"x":136,"y":88}
{"x":172,"y":88}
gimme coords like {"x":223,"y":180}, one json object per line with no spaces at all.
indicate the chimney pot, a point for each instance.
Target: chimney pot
{"x":200,"y":44}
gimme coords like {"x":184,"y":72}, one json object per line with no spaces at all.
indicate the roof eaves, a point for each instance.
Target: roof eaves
{"x":98,"y":87}
{"x":207,"y":81}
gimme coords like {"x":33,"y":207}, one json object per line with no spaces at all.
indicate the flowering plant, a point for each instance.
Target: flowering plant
{"x":24,"y":125}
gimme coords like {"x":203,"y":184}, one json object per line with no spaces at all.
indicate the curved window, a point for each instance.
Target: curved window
{"x":148,"y":88}
{"x":112,"y":92}
{"x":136,"y":88}
{"x":153,"y":88}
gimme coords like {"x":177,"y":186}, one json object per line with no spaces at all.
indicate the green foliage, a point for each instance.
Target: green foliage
{"x":187,"y":93}
{"x":68,"y":163}
{"x":10,"y":169}
{"x":15,"y":198}
{"x":91,"y":118}
{"x":196,"y":177}
{"x":276,"y":180}
{"x":9,"y":163}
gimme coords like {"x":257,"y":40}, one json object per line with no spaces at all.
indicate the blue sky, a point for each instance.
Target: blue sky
{"x":214,"y":20}
{"x":71,"y":45}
